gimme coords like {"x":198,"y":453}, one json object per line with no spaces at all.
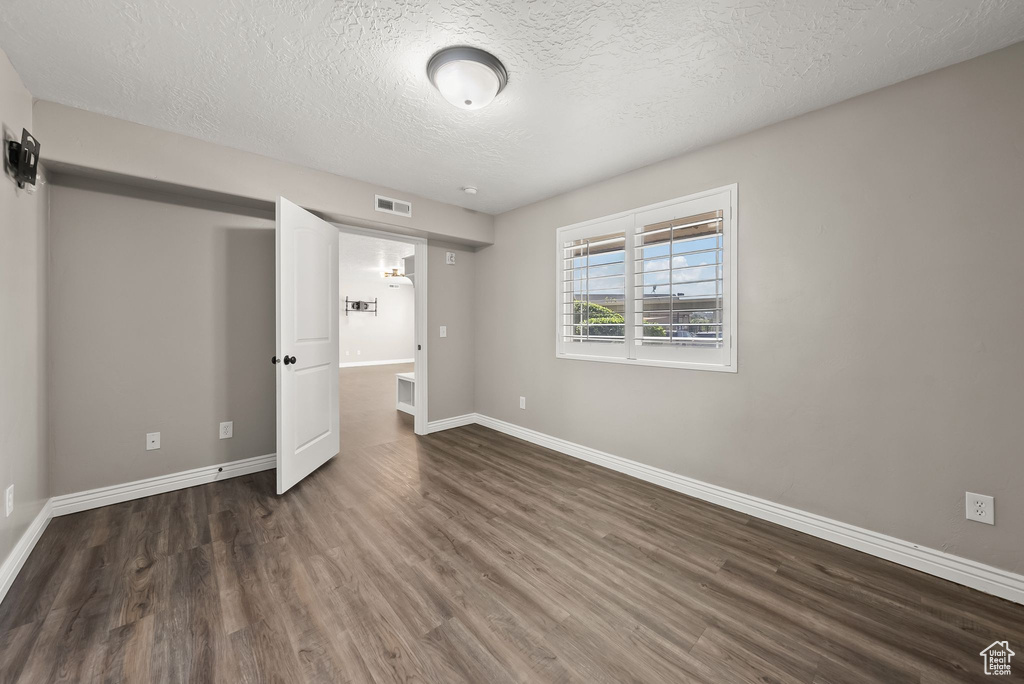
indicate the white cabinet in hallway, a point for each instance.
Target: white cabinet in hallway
{"x":405,"y":392}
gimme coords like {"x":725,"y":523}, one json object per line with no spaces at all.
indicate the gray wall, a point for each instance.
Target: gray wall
{"x":451,"y":294}
{"x":23,"y":438}
{"x":880,"y":317}
{"x":391,"y":333}
{"x":162,"y":320}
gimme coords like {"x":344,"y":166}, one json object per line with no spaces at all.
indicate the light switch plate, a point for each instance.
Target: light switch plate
{"x":449,"y":258}
{"x":152,"y":441}
{"x":444,"y":331}
{"x":522,"y":402}
{"x":9,"y":500}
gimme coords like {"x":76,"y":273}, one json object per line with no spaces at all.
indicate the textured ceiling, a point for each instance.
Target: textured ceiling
{"x":365,"y":258}
{"x":595,"y":88}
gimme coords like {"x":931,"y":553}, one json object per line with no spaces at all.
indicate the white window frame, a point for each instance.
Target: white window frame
{"x":672,"y":357}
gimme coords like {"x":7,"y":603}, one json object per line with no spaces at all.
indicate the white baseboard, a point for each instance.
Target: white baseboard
{"x":449,"y":423}
{"x":389,"y":362}
{"x":105,"y":496}
{"x":986,"y":578}
{"x":19,"y":554}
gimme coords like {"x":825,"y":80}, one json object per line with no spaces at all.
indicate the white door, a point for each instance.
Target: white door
{"x":307,"y":343}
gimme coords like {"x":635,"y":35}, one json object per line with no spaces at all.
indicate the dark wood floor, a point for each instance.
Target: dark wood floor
{"x":469,"y":556}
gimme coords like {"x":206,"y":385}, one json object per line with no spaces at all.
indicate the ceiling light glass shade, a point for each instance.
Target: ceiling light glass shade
{"x":466,"y":77}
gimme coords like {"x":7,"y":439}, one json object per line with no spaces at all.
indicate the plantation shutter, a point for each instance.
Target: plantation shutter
{"x":593,"y":305}
{"x":680,"y":290}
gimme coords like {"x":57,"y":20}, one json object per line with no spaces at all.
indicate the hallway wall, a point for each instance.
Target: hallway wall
{"x":389,"y":334}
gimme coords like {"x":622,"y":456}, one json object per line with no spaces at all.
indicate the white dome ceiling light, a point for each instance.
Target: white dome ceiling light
{"x":467,"y":77}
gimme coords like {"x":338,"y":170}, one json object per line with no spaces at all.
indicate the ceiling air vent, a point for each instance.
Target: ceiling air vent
{"x":392,"y":206}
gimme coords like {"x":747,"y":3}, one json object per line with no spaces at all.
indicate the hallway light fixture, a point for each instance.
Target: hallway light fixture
{"x":467,"y":77}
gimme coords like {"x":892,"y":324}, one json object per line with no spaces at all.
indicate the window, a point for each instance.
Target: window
{"x":652,"y":286}
{"x":594,"y":288}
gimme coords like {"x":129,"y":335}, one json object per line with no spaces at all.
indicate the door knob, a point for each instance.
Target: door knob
{"x":288,"y":360}
{"x":273,"y":360}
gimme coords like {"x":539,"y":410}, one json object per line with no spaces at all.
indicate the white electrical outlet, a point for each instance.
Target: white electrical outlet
{"x":227,"y":430}
{"x":152,"y":441}
{"x":444,"y":331}
{"x":9,"y":500}
{"x":981,"y":508}
{"x":522,"y":402}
